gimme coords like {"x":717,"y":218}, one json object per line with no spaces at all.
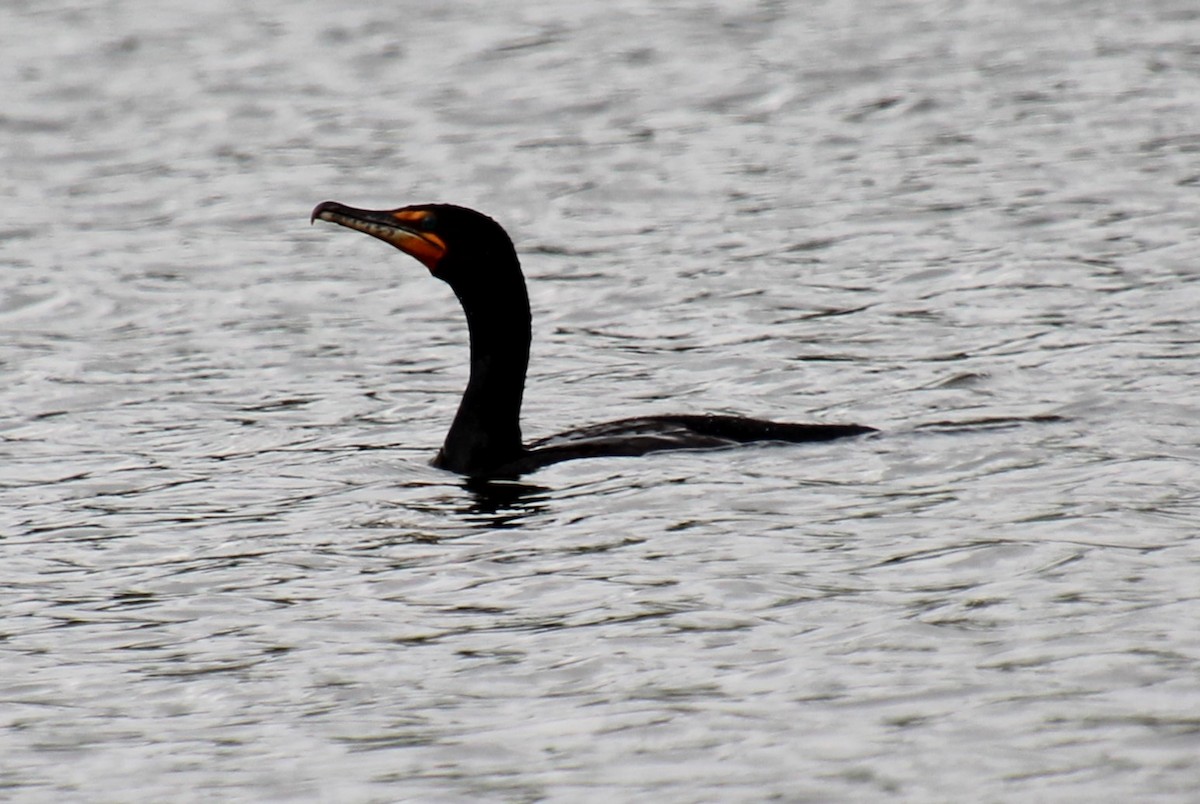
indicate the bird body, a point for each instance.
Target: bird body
{"x":475,"y":256}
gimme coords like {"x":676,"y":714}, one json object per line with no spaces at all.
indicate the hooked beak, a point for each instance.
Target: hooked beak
{"x":401,"y":228}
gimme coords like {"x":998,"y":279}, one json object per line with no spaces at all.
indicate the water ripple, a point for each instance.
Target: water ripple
{"x":231,"y":570}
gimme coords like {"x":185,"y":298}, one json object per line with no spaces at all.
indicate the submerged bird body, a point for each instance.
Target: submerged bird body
{"x":476,"y":257}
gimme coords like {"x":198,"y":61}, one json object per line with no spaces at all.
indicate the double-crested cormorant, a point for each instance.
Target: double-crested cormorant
{"x":474,"y":255}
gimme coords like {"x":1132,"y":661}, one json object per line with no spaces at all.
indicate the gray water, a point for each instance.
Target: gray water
{"x":229,"y":572}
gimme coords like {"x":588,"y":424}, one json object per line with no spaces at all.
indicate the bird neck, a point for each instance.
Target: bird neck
{"x":486,"y":432}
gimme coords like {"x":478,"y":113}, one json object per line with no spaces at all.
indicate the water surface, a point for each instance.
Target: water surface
{"x":231,"y":573}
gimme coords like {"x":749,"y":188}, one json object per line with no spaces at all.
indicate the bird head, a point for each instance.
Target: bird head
{"x":456,"y":244}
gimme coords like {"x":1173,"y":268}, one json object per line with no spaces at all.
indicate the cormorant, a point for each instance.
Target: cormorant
{"x":475,"y":256}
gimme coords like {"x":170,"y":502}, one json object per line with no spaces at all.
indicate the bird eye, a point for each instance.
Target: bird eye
{"x":429,"y":222}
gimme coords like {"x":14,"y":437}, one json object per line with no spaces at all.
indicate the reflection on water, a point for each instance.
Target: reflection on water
{"x":504,"y":503}
{"x":230,"y":570}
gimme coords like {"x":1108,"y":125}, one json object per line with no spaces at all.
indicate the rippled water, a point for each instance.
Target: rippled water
{"x":230,"y":573}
